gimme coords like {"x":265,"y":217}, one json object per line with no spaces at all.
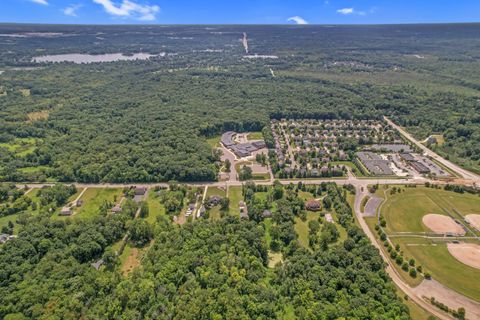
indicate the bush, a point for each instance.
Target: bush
{"x":405,"y":266}
{"x":428,"y":276}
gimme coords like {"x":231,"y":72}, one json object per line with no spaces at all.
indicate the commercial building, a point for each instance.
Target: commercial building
{"x":374,"y":163}
{"x":241,"y":150}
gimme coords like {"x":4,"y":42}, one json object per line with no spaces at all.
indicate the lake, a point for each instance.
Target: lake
{"x":91,"y":58}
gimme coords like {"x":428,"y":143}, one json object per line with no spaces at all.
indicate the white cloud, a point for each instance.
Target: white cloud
{"x":297,"y":20}
{"x":129,"y":9}
{"x":44,"y":2}
{"x":72,"y":10}
{"x":345,"y":11}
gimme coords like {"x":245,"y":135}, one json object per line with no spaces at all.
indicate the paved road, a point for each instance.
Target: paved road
{"x":360,"y":184}
{"x":464,"y":173}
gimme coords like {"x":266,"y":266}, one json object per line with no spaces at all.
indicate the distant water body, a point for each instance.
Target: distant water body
{"x":91,"y":58}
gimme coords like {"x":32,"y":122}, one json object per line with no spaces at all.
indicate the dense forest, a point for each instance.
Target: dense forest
{"x":149,"y":120}
{"x":206,"y":269}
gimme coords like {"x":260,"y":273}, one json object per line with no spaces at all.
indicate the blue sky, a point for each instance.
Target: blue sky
{"x":239,"y":11}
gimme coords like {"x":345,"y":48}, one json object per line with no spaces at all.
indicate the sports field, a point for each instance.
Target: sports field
{"x":404,"y":211}
{"x":422,"y":210}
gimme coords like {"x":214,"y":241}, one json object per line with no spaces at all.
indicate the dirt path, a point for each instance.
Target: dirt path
{"x":80,"y":195}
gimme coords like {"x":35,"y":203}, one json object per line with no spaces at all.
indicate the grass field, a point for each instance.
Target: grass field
{"x":214,"y":142}
{"x":404,"y":211}
{"x":372,"y":221}
{"x":443,"y":267}
{"x":255,"y":135}
{"x":38,"y":115}
{"x":301,"y":227}
{"x":235,"y":196}
{"x":155,"y":208}
{"x":93,"y":199}
{"x":215,"y":191}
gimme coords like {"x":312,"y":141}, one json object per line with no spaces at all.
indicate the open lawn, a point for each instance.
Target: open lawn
{"x":235,"y":196}
{"x":155,"y":208}
{"x":301,"y":227}
{"x":435,"y":259}
{"x":255,"y":135}
{"x":305,"y":195}
{"x":93,"y":198}
{"x":215,"y":191}
{"x":404,"y":211}
{"x":356,"y":171}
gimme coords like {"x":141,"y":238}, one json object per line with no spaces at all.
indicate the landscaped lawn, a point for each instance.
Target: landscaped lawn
{"x":235,"y":196}
{"x":155,"y":208}
{"x":255,"y":135}
{"x":215,"y":191}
